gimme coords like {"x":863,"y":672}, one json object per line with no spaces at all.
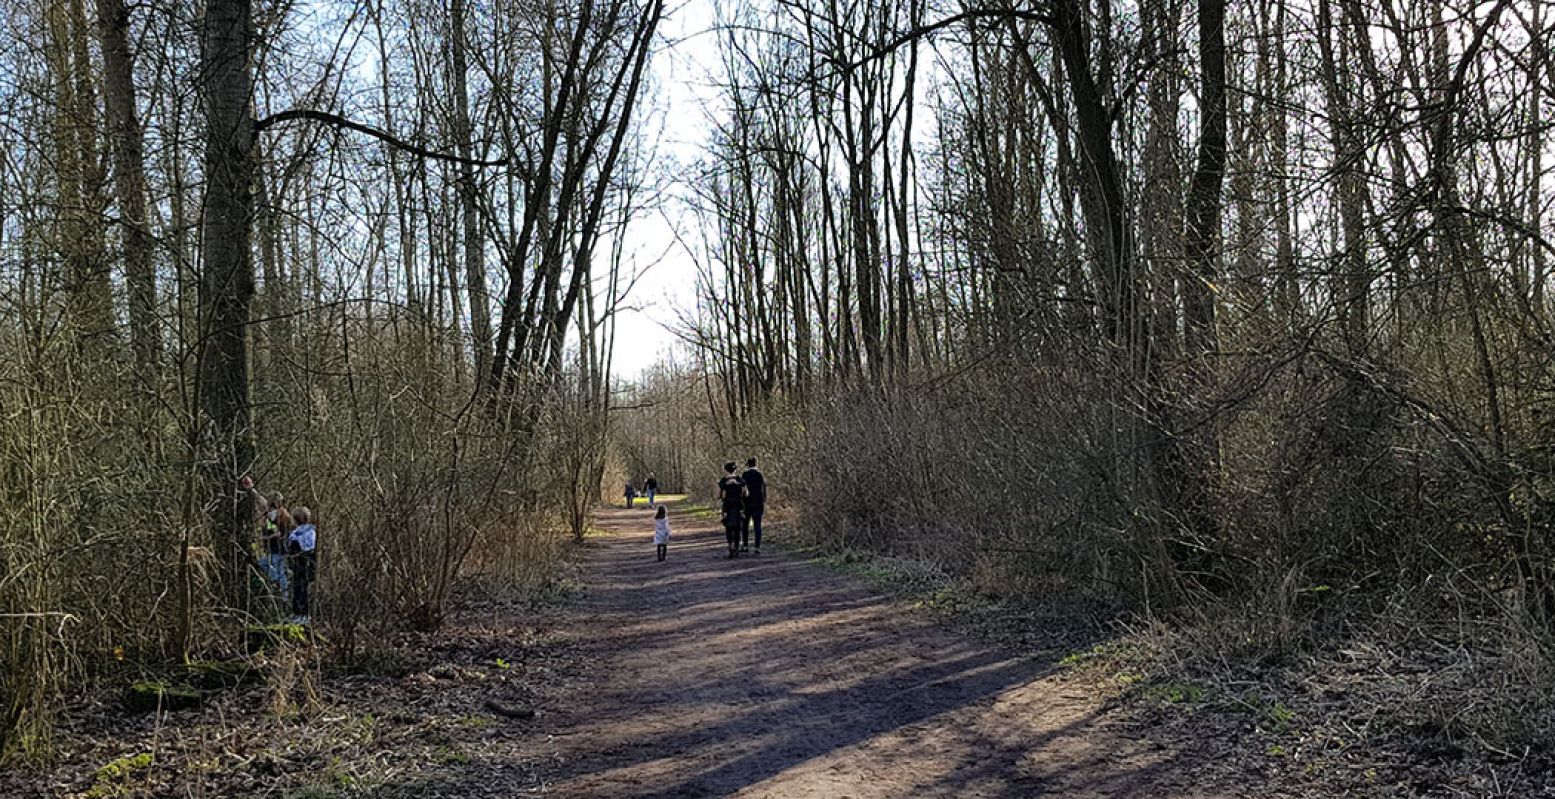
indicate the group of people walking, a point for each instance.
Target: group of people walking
{"x":742,"y":498}
{"x":650,"y":488}
{"x":288,"y":541}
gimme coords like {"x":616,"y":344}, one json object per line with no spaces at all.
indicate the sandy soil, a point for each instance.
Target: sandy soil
{"x":771,"y":677}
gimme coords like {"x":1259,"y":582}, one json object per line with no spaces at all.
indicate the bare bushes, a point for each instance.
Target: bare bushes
{"x":414,"y":477}
{"x":999,"y":477}
{"x":414,"y":486}
{"x":1332,"y":491}
{"x":665,"y":426}
{"x":88,"y":488}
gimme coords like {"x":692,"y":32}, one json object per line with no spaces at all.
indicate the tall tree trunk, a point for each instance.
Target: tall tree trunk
{"x":1204,"y":192}
{"x":79,"y":234}
{"x":469,"y":211}
{"x":126,"y":140}
{"x":1101,"y":198}
{"x":1538,"y":71}
{"x":1350,"y":282}
{"x":1198,"y":451}
{"x":227,"y":285}
{"x":1161,"y":225}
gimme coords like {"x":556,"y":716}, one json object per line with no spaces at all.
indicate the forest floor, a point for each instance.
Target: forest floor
{"x":769,"y":676}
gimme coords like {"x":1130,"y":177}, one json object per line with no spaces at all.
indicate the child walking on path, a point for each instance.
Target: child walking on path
{"x":661,"y":531}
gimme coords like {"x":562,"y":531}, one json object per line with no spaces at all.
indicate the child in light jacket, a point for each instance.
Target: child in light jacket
{"x":300,"y":546}
{"x":661,"y":531}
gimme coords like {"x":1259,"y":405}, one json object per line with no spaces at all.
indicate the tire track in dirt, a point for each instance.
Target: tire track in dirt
{"x":770,"y":677}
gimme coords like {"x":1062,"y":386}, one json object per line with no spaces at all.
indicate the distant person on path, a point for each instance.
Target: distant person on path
{"x":631,"y":494}
{"x":755,"y":504}
{"x":650,"y":487}
{"x":731,"y":492}
{"x":301,"y":545}
{"x":661,"y":530}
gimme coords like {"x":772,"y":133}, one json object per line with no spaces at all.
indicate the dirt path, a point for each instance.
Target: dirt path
{"x":770,"y":677}
{"x":701,"y":676}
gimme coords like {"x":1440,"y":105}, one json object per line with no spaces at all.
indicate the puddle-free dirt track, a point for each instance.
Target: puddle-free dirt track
{"x":773,"y":677}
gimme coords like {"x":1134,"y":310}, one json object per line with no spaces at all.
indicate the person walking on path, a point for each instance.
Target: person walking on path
{"x":661,"y":531}
{"x":302,"y":546}
{"x":650,"y":487}
{"x":631,"y":494}
{"x":731,"y":493}
{"x":755,"y":505}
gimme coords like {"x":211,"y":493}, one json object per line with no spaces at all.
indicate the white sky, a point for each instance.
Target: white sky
{"x":680,"y":119}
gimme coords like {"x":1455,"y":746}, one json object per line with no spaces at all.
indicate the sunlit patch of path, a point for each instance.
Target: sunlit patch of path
{"x":771,"y":677}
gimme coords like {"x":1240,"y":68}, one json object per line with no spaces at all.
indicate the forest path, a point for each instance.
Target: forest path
{"x":771,"y":677}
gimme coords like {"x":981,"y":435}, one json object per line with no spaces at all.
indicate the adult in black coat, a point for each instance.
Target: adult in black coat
{"x":731,"y":494}
{"x":755,"y":504}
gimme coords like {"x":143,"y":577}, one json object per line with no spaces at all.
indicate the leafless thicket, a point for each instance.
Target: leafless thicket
{"x":365,"y":253}
{"x":1182,"y":306}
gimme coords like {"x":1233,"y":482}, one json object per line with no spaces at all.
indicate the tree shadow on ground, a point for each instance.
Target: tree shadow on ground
{"x":772,"y":677}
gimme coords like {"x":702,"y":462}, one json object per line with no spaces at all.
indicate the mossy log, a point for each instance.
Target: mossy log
{"x":212,"y":675}
{"x":145,"y":696}
{"x":275,"y":636}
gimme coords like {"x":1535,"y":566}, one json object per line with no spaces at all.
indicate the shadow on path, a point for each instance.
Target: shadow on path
{"x":767,"y":676}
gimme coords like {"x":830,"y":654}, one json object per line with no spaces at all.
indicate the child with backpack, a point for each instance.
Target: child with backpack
{"x":275,"y":528}
{"x":661,"y":531}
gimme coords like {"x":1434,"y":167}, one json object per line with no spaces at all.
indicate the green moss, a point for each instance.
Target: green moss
{"x":125,"y":766}
{"x":1128,"y":678}
{"x":1176,"y":693}
{"x":148,"y":695}
{"x":111,"y":778}
{"x":269,"y":636}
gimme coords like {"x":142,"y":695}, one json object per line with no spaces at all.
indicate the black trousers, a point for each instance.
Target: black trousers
{"x":304,"y":565}
{"x":753,"y":516}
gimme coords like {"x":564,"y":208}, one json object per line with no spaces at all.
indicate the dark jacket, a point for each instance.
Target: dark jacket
{"x":755,"y":488}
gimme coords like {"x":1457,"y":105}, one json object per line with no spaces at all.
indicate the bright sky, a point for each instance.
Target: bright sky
{"x":681,"y":120}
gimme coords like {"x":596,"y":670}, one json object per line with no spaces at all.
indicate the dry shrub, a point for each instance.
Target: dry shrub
{"x":1016,"y":495}
{"x":412,"y":484}
{"x":1350,"y":502}
{"x":88,"y":486}
{"x":414,"y":480}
